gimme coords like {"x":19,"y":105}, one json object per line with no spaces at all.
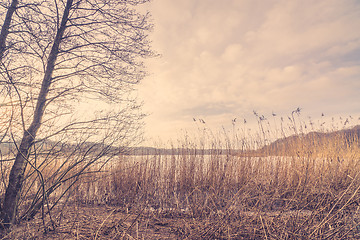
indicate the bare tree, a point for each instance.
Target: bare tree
{"x":6,"y":26}
{"x":60,"y":53}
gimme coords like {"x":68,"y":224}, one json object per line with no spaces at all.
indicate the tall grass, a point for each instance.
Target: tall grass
{"x":306,"y":188}
{"x":232,"y":184}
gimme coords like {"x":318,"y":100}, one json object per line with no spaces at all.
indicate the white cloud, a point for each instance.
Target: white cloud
{"x":226,"y":58}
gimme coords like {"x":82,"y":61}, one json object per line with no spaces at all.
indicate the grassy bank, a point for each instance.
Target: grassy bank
{"x":308,"y":188}
{"x":302,"y":188}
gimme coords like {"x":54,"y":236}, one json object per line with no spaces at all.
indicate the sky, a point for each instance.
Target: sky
{"x":221,"y":60}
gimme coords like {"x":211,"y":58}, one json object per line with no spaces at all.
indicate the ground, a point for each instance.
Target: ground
{"x":80,"y":221}
{"x":96,"y":222}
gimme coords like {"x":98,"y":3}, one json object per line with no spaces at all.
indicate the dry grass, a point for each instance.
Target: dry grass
{"x":309,"y":190}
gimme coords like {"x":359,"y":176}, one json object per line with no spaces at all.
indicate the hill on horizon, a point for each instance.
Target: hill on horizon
{"x":314,"y":142}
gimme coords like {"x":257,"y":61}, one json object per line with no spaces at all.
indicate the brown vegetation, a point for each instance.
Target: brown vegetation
{"x":294,"y":195}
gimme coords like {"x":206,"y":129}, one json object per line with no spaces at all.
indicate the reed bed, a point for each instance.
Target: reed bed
{"x":236,"y":185}
{"x":306,"y":189}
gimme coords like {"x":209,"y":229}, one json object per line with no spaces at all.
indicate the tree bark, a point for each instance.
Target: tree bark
{"x":17,"y":171}
{"x":6,"y":26}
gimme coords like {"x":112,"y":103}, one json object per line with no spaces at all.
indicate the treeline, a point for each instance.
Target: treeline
{"x":314,"y":142}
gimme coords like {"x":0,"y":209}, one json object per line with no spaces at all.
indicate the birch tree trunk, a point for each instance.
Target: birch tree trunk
{"x":6,"y":26}
{"x":17,"y":172}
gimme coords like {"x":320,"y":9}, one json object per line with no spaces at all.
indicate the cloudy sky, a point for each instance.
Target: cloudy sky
{"x":221,"y":60}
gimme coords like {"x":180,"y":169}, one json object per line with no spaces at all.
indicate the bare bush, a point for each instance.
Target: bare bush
{"x":55,"y":55}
